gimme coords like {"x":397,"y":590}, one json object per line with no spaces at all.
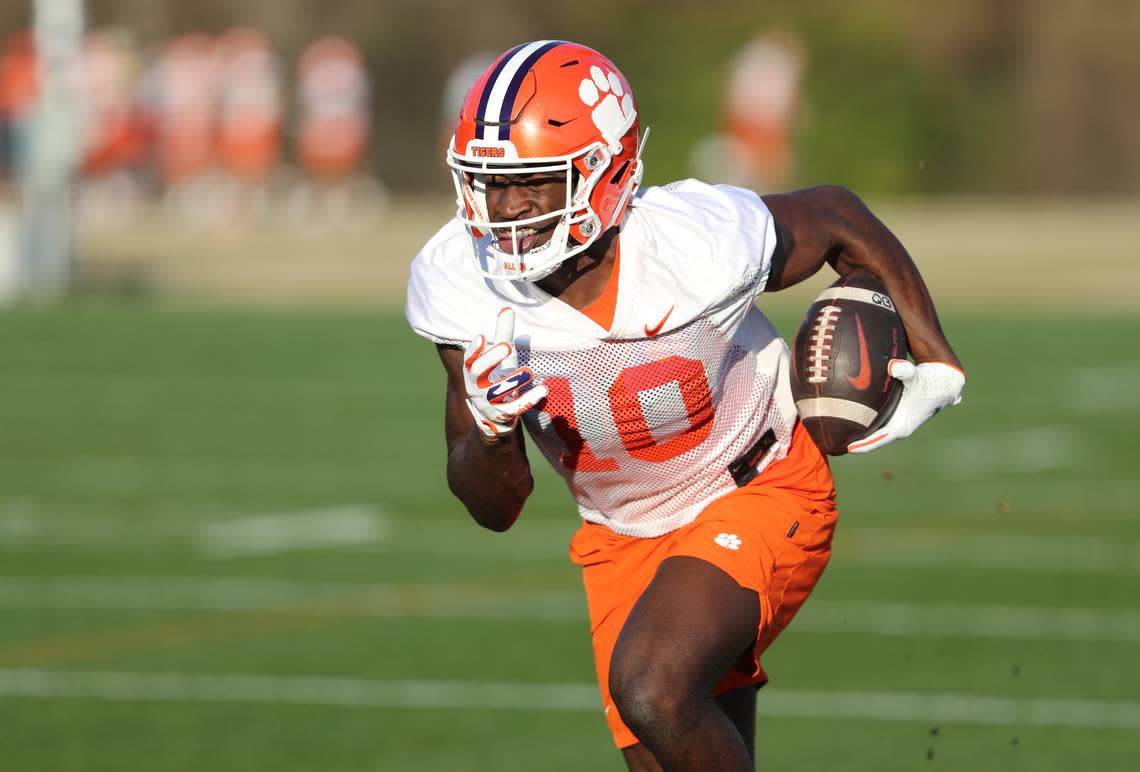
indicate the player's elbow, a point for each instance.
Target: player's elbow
{"x":838,"y":199}
{"x":498,"y":510}
{"x":499,"y":522}
{"x":497,"y":516}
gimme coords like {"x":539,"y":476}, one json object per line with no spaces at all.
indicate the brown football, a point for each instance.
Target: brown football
{"x":839,"y":362}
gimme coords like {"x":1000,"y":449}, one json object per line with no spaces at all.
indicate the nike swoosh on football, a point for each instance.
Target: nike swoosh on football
{"x":651,"y":331}
{"x":862,"y":379}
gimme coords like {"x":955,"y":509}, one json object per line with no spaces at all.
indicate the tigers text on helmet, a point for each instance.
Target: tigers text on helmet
{"x":546,"y":107}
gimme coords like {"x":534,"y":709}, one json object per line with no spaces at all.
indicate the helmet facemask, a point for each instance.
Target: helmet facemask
{"x":577,"y":226}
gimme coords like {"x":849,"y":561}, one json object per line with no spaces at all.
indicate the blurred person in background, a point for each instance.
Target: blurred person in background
{"x":620,"y":327}
{"x":754,"y":148}
{"x":250,"y":93}
{"x":333,"y":128}
{"x":763,"y":93}
{"x":19,"y":90}
{"x":181,"y":91}
{"x":117,"y":138}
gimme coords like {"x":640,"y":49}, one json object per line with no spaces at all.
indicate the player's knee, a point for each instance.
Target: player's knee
{"x":648,"y":695}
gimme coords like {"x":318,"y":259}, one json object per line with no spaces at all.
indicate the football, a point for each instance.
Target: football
{"x":840,"y":382}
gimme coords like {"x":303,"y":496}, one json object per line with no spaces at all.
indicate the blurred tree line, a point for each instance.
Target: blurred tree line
{"x":898,"y":95}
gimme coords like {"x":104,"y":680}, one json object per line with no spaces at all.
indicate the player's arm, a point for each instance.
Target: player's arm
{"x":490,"y":476}
{"x":487,"y":468}
{"x":830,"y":224}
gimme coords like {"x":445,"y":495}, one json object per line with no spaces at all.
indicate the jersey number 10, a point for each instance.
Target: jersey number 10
{"x":625,"y":401}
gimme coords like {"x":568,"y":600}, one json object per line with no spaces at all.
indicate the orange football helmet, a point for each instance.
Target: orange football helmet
{"x":546,"y":106}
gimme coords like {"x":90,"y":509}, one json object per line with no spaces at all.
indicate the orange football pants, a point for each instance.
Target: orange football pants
{"x":772,"y":536}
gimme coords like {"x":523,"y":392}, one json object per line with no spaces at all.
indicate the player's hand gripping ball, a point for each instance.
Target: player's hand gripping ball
{"x":497,"y":392}
{"x":927,"y":388}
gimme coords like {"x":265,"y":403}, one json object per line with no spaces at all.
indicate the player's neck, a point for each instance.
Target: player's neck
{"x":582,"y":279}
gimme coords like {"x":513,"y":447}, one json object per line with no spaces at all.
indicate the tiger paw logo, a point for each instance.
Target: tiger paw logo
{"x":613,"y":111}
{"x":729,"y":541}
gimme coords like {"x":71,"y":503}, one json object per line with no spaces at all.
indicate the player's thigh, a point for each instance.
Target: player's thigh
{"x":689,"y":626}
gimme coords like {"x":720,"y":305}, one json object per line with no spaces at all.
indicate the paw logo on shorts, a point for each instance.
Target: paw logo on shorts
{"x":602,"y":91}
{"x":729,"y":541}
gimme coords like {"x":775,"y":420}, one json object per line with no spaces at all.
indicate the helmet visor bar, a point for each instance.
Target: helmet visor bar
{"x":498,"y":167}
{"x":530,"y":165}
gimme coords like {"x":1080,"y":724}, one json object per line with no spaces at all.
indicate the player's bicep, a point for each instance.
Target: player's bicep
{"x":457,"y":420}
{"x":805,"y":235}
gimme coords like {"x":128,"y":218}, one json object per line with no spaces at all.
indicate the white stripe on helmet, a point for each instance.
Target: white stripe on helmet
{"x":502,"y":84}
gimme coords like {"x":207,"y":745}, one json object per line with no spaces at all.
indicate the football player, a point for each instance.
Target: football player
{"x":619,"y":326}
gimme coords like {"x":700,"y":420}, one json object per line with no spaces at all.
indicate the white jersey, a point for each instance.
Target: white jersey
{"x":643,"y":419}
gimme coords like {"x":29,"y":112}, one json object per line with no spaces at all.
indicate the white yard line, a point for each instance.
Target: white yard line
{"x":962,"y":620}
{"x":275,"y":690}
{"x":1105,"y":389}
{"x":950,"y":708}
{"x":291,"y":531}
{"x":214,"y":536}
{"x":831,"y":617}
{"x":363,"y":528}
{"x":212,"y":594}
{"x":499,"y":695}
{"x":1031,"y":450}
{"x":152,"y":593}
{"x":997,"y":550}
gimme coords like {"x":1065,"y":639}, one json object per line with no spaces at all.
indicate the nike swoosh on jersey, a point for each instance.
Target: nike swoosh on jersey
{"x":651,"y":331}
{"x":862,"y":379}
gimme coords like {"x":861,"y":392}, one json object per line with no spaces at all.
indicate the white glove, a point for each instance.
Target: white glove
{"x":493,"y":378}
{"x":927,"y":388}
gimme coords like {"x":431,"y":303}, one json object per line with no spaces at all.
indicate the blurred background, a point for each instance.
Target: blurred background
{"x":225,"y":536}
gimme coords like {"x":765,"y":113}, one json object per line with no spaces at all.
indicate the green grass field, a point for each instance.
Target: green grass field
{"x":226,"y":544}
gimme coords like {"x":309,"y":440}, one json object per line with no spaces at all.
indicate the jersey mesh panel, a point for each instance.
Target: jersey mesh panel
{"x":644,"y":430}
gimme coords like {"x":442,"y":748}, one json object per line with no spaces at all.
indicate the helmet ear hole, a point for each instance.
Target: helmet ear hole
{"x":616,"y":179}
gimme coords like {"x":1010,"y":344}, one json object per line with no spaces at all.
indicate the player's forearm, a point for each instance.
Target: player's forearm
{"x":491,"y":478}
{"x":865,"y":243}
